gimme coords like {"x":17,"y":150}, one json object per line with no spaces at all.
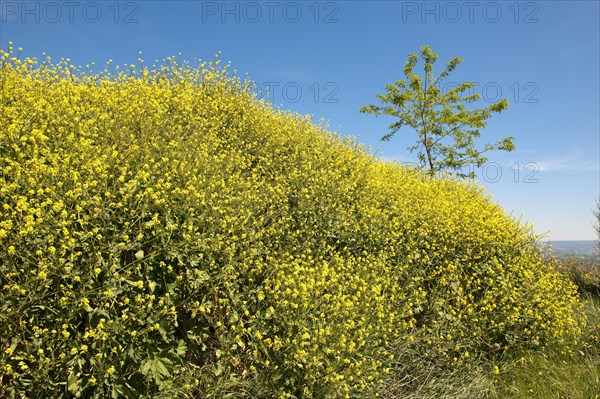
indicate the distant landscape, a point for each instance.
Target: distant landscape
{"x":581,"y":248}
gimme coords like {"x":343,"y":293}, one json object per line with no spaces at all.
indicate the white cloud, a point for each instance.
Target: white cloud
{"x":568,"y":164}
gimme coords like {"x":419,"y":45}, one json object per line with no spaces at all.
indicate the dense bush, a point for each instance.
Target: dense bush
{"x":164,"y":232}
{"x":584,"y":272}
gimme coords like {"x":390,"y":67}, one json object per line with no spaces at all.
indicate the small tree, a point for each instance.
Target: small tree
{"x":419,"y":103}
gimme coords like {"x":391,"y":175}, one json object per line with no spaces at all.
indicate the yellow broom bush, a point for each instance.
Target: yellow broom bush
{"x":164,"y":232}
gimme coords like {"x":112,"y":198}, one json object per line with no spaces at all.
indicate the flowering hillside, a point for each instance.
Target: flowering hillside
{"x":163,"y":231}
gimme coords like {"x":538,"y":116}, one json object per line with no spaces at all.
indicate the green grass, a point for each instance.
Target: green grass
{"x":552,"y":374}
{"x":421,"y":379}
{"x":547,"y":374}
{"x":557,"y":375}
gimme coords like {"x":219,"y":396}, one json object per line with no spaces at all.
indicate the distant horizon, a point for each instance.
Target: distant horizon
{"x":586,"y":248}
{"x":569,"y":240}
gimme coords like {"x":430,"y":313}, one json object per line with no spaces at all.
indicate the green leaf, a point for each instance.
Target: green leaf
{"x":74,"y":384}
{"x":162,"y":329}
{"x":157,"y":368}
{"x":181,"y":348}
{"x":240,"y":343}
{"x":218,"y":369}
{"x":122,"y":391}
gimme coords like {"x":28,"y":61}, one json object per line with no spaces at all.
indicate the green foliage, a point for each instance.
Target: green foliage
{"x":555,"y":374}
{"x":163,"y":233}
{"x":597,"y":223}
{"x":547,"y":373}
{"x":585,"y":273}
{"x":419,"y":103}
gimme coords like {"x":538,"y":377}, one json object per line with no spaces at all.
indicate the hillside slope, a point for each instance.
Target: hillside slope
{"x":161,"y":230}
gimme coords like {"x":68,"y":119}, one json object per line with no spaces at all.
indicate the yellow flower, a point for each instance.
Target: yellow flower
{"x":276,"y":229}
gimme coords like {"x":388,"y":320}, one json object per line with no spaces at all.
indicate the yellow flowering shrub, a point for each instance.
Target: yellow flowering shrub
{"x":163,"y":230}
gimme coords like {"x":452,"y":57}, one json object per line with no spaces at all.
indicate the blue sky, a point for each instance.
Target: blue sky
{"x":329,"y":58}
